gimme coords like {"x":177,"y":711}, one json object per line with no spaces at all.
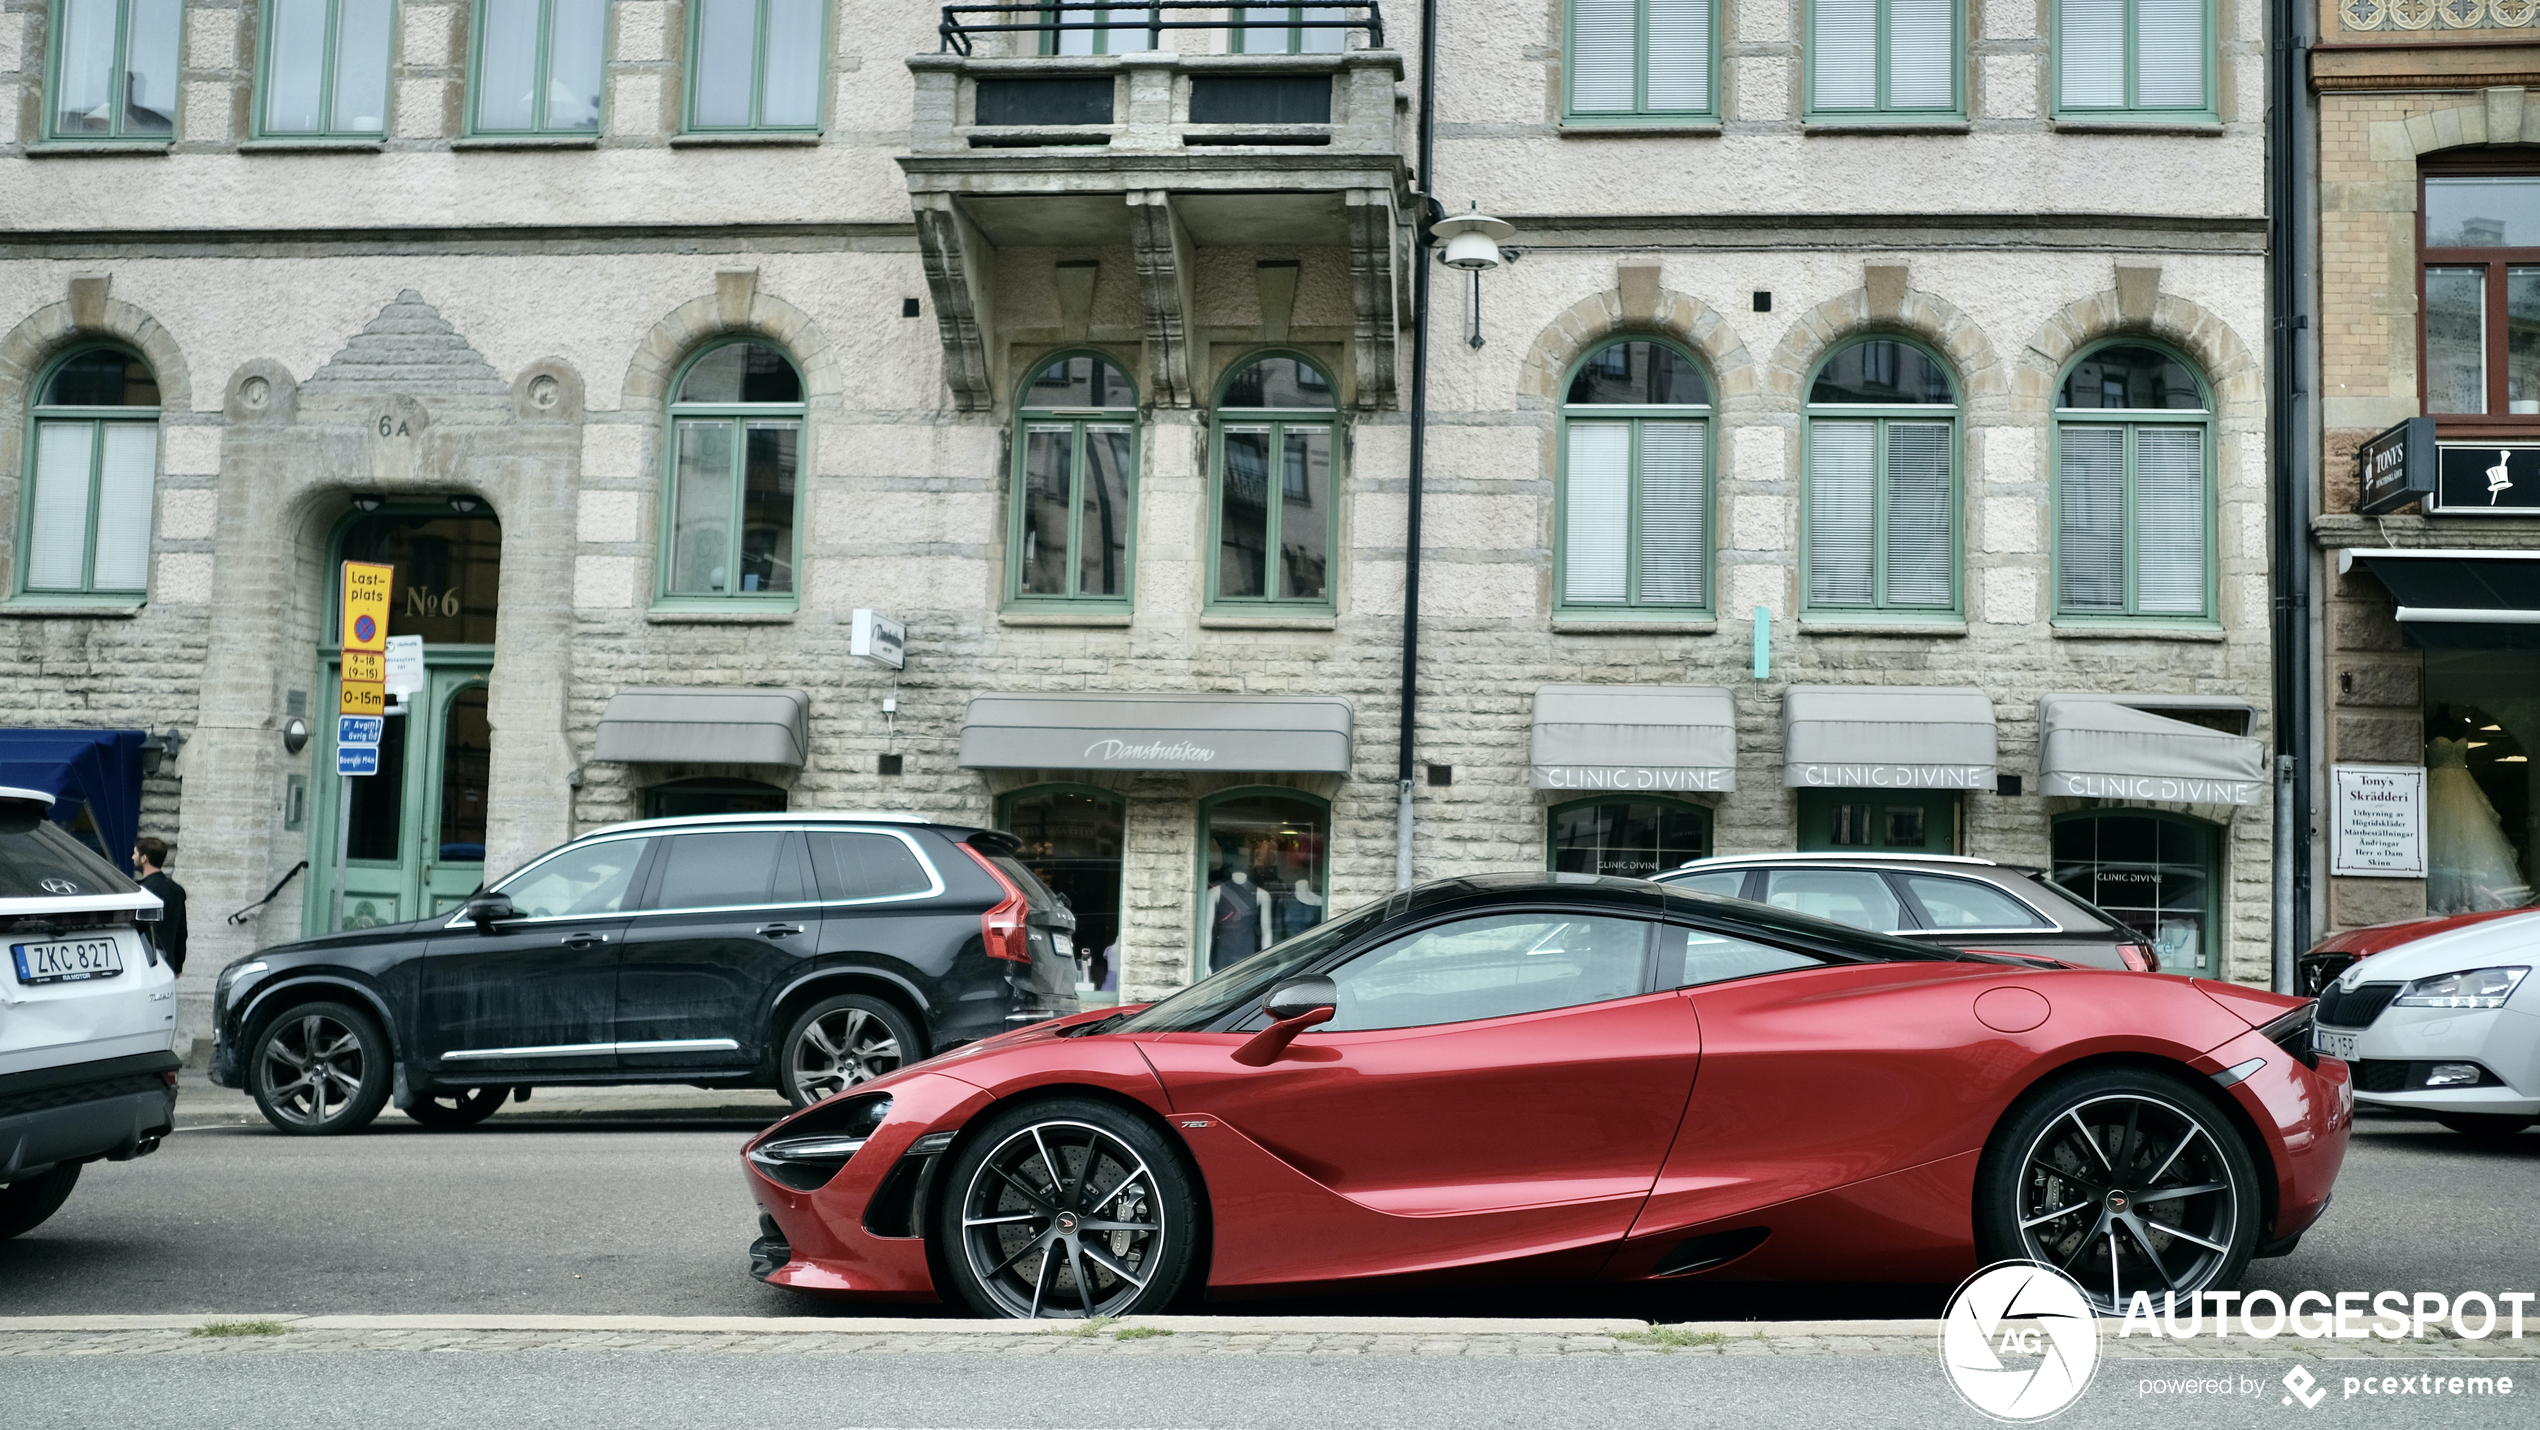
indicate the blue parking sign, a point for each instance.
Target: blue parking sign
{"x":357,"y":729}
{"x":357,"y":759}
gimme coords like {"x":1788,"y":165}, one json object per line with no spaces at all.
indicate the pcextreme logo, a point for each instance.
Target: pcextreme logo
{"x":2019,"y":1341}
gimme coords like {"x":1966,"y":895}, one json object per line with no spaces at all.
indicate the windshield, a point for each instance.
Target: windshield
{"x":1244,"y":985}
{"x":38,"y":860}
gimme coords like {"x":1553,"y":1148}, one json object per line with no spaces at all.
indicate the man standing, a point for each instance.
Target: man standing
{"x":150,"y":856}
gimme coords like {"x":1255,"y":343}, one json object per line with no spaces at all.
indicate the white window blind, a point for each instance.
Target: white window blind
{"x":2092,"y":53}
{"x":1920,"y":55}
{"x":1842,"y":512}
{"x":1671,"y":514}
{"x":2169,"y":54}
{"x":2170,"y":63}
{"x":2169,"y":520}
{"x":1602,"y":50}
{"x":57,"y":536}
{"x":2090,"y":520}
{"x":1679,"y":55}
{"x":129,"y":462}
{"x":1597,"y":512}
{"x":1918,"y":514}
{"x":1844,"y":42}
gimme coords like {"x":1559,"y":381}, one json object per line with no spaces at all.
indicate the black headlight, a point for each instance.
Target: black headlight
{"x":820,"y":1142}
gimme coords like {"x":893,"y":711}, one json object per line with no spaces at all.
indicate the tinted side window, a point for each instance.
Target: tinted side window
{"x":1491,"y":967}
{"x":1717,"y":958}
{"x":1966,"y":904}
{"x":35,"y":852}
{"x":1727,"y":883}
{"x":866,"y":866}
{"x":1847,"y":896}
{"x":718,"y":870}
{"x":592,"y":879}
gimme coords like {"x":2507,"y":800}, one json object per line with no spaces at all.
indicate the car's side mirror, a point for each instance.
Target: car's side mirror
{"x":1296,"y":1005}
{"x":487,"y":910}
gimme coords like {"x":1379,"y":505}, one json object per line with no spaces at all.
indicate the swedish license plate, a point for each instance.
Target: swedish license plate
{"x":67,"y":962}
{"x":2337,"y":1045}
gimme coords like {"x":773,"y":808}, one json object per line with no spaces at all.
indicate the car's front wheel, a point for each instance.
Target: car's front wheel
{"x":839,"y":1042}
{"x":449,"y":1110}
{"x":319,"y":1069}
{"x":26,"y":1203}
{"x":1068,"y":1208}
{"x":2484,"y":1124}
{"x":2124,"y":1179}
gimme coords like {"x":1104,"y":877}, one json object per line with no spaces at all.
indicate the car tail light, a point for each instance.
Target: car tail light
{"x":1001,"y":928}
{"x":2139,"y":956}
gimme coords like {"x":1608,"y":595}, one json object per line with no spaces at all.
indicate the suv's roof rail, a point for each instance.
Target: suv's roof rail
{"x":1866,"y":856}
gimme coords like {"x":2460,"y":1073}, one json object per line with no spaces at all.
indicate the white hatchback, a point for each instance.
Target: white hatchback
{"x":87,"y":1014}
{"x":2447,"y":1024}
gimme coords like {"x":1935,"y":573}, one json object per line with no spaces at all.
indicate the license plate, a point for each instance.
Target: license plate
{"x":68,"y":962}
{"x":2337,"y":1045}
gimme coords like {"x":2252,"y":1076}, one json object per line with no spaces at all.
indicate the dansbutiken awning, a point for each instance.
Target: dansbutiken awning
{"x":721,"y":726}
{"x":1276,"y":734}
{"x":1886,"y":737}
{"x":2101,"y":747}
{"x":1634,"y":737}
{"x":2458,"y":600}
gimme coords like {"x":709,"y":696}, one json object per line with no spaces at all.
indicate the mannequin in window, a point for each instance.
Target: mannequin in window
{"x":1299,"y":909}
{"x":1239,"y":920}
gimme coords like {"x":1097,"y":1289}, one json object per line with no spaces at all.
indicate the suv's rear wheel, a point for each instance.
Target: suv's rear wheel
{"x":458,"y":1109}
{"x":319,"y":1069}
{"x":839,"y":1042}
{"x":25,"y":1204}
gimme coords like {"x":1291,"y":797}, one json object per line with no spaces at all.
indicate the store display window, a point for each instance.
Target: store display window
{"x":1633,"y":838}
{"x":2481,"y":719}
{"x":2157,"y":873}
{"x":1264,"y":862}
{"x":1074,"y":838}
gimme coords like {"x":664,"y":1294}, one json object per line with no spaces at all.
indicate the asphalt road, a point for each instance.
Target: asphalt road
{"x":590,"y":1218}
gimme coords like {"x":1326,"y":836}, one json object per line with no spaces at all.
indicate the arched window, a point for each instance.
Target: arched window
{"x":1635,"y":481}
{"x":1265,"y":871}
{"x":2116,"y":56}
{"x":1882,"y":488}
{"x":1631,"y":837}
{"x":95,"y":467}
{"x":2133,"y":505}
{"x":736,"y":442}
{"x":2158,"y":873}
{"x":1075,"y":484}
{"x":1274,"y":505}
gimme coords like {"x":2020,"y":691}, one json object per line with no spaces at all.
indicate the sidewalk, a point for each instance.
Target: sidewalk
{"x":199,"y":1104}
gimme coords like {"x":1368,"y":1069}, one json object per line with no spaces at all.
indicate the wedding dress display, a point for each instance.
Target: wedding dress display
{"x":2471,"y":866}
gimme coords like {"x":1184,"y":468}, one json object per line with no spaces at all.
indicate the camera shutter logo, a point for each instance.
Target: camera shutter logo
{"x":2019,"y":1342}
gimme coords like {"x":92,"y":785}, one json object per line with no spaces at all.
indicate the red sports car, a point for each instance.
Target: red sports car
{"x":1561,"y":1077}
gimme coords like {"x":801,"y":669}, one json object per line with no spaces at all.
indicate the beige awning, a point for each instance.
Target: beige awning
{"x":1653,"y":738}
{"x":719,"y":726}
{"x":1886,"y":737}
{"x":1279,"y":734}
{"x":2106,"y":747}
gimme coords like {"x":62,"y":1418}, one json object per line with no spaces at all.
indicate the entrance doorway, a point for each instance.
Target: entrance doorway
{"x":1877,"y":821}
{"x":1073,"y":838}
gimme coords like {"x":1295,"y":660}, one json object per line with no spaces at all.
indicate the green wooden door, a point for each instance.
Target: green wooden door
{"x":1875,"y":821}
{"x":417,"y":840}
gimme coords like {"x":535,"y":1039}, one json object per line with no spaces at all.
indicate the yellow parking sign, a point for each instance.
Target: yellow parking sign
{"x":363,"y":697}
{"x":366,"y":587}
{"x":362,"y":667}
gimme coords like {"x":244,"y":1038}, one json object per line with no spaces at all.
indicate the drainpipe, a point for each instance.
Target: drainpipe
{"x":1429,"y":214}
{"x":2290,"y":417}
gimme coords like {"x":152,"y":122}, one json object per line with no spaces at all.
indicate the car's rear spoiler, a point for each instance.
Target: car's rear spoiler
{"x":993,"y":841}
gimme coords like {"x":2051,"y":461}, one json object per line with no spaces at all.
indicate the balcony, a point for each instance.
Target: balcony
{"x":1022,"y":138}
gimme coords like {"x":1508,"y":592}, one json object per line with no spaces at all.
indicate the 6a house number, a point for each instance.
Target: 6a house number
{"x":391,"y":426}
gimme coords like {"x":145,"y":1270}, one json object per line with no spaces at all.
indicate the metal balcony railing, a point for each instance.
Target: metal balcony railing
{"x":1276,"y":29}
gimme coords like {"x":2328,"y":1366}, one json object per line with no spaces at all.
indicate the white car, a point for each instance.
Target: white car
{"x":87,"y":1014}
{"x":2447,"y":1024}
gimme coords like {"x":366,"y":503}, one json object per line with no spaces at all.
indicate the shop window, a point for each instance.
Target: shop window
{"x":538,"y":66}
{"x":87,"y":520}
{"x":1275,"y":501}
{"x":1878,"y":59}
{"x":2133,"y":487}
{"x":1264,"y":872}
{"x":1642,"y":60}
{"x":2132,"y":56}
{"x":2480,"y":303}
{"x":755,"y":64}
{"x":736,"y":421}
{"x":1630,"y":838}
{"x":2159,"y":874}
{"x":1864,"y":821}
{"x":686,"y":799}
{"x":326,"y":68}
{"x":2478,"y":780}
{"x":1635,"y":483}
{"x":1881,"y":494}
{"x":1075,"y":485}
{"x":114,"y":70}
{"x":1075,"y":840}
{"x":1289,"y":30}
{"x":446,"y":577}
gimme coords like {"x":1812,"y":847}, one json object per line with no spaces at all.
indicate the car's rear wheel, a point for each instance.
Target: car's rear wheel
{"x":319,"y":1069}
{"x":2484,"y":1124}
{"x":2126,"y":1180}
{"x":24,"y":1204}
{"x":458,"y":1109}
{"x":839,"y":1042}
{"x":1068,"y":1208}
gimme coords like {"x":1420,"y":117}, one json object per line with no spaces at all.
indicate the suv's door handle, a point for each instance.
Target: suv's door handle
{"x":778,"y":930}
{"x":583,"y":940}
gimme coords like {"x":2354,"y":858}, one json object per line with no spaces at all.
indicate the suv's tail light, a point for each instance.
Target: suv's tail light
{"x":2141,"y":957}
{"x":1001,"y":928}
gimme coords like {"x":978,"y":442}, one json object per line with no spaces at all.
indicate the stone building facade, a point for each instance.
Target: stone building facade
{"x":485,"y":351}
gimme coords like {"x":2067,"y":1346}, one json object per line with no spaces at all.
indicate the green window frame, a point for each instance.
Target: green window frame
{"x":734,"y":445}
{"x":1633,"y":529}
{"x":2132,"y":543}
{"x":1242,"y":442}
{"x":547,"y":46}
{"x":1872,"y":60}
{"x":320,"y":65}
{"x":108,"y":55}
{"x":2156,"y":916}
{"x":1080,"y":461}
{"x":1280,"y":30}
{"x":1669,"y":813}
{"x":2120,"y":57}
{"x":85,"y":512}
{"x":1641,"y":62}
{"x":1860,"y":535}
{"x":787,"y":59}
{"x":1125,"y":31}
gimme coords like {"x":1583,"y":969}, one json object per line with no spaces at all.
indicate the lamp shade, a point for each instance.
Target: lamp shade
{"x":1472,"y":240}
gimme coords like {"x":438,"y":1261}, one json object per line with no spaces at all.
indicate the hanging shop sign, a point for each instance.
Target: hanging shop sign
{"x":879,"y":639}
{"x":2488,"y":479}
{"x":2377,"y":821}
{"x":2396,"y":468}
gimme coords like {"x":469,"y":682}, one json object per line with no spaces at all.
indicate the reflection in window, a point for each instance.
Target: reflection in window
{"x":581,"y":881}
{"x":2156,"y":873}
{"x":1630,"y":838}
{"x":326,"y":67}
{"x":1292,"y":30}
{"x":757,"y":64}
{"x":1717,"y":958}
{"x":1490,"y":967}
{"x":114,"y":73}
{"x":1075,"y":502}
{"x":737,"y":428}
{"x":2481,"y":312}
{"x":1882,"y":490}
{"x":1275,"y":505}
{"x":1848,"y":896}
{"x":447,"y":580}
{"x":467,"y":758}
{"x":684,"y":799}
{"x":1075,"y":840}
{"x":2132,"y":498}
{"x":96,"y":466}
{"x":538,"y":66}
{"x":1263,"y":859}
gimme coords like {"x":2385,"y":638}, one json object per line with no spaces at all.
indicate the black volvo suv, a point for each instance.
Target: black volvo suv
{"x":805,"y":952}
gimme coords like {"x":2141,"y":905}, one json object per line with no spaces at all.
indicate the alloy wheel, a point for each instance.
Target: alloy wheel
{"x":1063,"y":1219}
{"x":2128,"y":1192}
{"x":313,"y":1068}
{"x":841,"y":1049}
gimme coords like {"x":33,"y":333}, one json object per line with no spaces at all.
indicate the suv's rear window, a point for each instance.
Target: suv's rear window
{"x":856,"y":865}
{"x":1024,"y":879}
{"x":37,"y":859}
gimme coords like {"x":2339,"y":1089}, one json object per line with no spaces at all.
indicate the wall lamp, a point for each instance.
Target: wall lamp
{"x":157,"y":750}
{"x":368,"y":501}
{"x":1472,"y":244}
